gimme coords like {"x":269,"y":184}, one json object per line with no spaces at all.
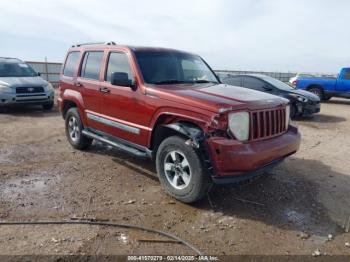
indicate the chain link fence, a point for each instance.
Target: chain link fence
{"x":48,"y":70}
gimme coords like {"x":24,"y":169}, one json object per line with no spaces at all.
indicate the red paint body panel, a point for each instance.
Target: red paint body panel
{"x":206,"y":105}
{"x":234,"y":158}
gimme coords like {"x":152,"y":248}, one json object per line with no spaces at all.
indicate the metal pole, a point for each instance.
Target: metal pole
{"x":46,"y":69}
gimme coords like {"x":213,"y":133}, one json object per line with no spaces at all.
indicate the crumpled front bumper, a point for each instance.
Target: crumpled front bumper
{"x":309,"y":109}
{"x":233,"y":160}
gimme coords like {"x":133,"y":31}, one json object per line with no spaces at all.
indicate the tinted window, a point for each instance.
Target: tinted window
{"x":118,"y":62}
{"x":16,"y":69}
{"x":234,"y":81}
{"x":346,"y":74}
{"x":173,"y":67}
{"x":92,"y":65}
{"x":71,"y":64}
{"x":276,"y":83}
{"x":253,"y":83}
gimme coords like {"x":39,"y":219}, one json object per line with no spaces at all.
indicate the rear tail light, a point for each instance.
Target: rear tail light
{"x":295,"y":82}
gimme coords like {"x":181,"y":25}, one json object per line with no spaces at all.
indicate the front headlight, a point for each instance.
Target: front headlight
{"x":48,"y":88}
{"x":5,"y":89}
{"x":300,"y":98}
{"x":287,"y":116}
{"x":238,"y":124}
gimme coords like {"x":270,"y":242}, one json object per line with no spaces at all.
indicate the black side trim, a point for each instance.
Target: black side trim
{"x":338,"y":94}
{"x":117,"y":142}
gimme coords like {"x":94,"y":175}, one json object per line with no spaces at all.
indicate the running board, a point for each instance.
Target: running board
{"x":121,"y":146}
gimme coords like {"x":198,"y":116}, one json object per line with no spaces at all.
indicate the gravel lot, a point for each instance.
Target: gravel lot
{"x":299,"y":208}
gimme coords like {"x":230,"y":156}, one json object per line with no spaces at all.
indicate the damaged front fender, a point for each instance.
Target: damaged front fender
{"x":195,"y":134}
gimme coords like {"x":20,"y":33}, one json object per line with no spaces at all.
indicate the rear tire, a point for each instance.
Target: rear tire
{"x":180,"y":170}
{"x":74,"y":127}
{"x":317,"y":91}
{"x":326,"y":98}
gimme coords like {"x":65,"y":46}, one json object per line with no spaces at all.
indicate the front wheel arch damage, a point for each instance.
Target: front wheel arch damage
{"x":192,"y":133}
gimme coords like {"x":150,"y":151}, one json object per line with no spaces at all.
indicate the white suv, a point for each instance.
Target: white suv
{"x":21,"y":85}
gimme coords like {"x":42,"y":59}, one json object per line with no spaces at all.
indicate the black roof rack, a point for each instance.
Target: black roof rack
{"x":95,"y":43}
{"x":4,"y":57}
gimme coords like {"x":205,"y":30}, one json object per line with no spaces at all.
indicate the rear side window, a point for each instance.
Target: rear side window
{"x":234,"y":81}
{"x":92,"y":65}
{"x":118,"y":62}
{"x":346,"y":74}
{"x":71,"y":64}
{"x":253,"y":83}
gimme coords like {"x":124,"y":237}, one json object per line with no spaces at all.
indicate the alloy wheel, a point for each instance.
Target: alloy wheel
{"x":177,"y":169}
{"x":73,"y":128}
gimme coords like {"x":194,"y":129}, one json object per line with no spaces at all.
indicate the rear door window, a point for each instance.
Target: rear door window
{"x":346,"y":75}
{"x":71,"y":64}
{"x":91,"y":66}
{"x":253,"y":83}
{"x":234,"y":81}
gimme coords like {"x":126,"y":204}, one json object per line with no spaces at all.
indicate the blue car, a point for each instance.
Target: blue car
{"x":327,"y":87}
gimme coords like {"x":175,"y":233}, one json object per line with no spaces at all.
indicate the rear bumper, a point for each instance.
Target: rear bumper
{"x":235,"y":160}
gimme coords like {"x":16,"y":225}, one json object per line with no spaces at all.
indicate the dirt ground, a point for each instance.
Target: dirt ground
{"x":301,"y":207}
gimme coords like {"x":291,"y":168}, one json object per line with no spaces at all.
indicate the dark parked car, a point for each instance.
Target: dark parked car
{"x":302,"y":103}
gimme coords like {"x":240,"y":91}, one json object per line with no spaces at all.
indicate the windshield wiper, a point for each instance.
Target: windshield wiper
{"x":170,"y":81}
{"x":204,"y":81}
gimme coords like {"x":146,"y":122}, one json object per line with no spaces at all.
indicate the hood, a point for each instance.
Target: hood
{"x":218,"y":97}
{"x":23,"y":81}
{"x":306,"y":94}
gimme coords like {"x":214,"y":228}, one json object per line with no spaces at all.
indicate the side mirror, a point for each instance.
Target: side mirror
{"x":121,"y":79}
{"x":39,"y":74}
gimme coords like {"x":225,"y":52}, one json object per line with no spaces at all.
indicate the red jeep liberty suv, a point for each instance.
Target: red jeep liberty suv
{"x":170,"y":106}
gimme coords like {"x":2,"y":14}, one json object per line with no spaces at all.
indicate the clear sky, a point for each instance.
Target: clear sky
{"x":278,"y":35}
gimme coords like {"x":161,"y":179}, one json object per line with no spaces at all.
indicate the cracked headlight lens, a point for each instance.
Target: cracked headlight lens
{"x":239,"y":125}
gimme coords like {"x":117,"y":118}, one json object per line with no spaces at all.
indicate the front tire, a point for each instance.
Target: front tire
{"x":317,"y":91}
{"x":48,"y":106}
{"x":293,"y":111}
{"x":326,"y":98}
{"x":74,"y":127}
{"x":181,"y":171}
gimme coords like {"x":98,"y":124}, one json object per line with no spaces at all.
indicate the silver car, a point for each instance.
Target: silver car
{"x":21,"y":85}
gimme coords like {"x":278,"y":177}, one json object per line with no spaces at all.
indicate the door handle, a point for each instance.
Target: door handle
{"x":105,"y":90}
{"x":78,"y":84}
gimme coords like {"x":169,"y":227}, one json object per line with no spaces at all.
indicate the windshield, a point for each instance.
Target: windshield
{"x":277,"y":83}
{"x":173,"y":68}
{"x":16,"y":69}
